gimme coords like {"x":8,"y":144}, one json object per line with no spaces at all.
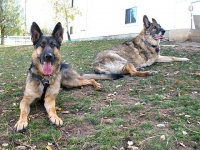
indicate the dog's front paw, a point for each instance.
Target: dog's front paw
{"x":55,"y":120}
{"x":21,"y":126}
{"x":152,"y":73}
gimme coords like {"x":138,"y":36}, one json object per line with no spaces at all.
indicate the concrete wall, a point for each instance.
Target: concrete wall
{"x":183,"y":35}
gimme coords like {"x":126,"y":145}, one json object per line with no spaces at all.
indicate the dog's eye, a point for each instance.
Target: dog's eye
{"x":154,"y":27}
{"x":53,"y":45}
{"x":42,"y":44}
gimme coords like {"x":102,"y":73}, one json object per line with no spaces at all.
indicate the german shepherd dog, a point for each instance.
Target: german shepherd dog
{"x":46,"y":74}
{"x":129,"y":57}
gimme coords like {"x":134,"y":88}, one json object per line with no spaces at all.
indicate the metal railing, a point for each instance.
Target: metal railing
{"x":17,"y":40}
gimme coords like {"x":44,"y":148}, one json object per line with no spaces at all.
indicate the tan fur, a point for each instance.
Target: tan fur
{"x":139,"y":52}
{"x":65,"y":76}
{"x":34,"y":90}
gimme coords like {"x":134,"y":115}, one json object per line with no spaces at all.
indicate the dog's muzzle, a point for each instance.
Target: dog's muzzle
{"x":47,"y":61}
{"x":48,"y":57}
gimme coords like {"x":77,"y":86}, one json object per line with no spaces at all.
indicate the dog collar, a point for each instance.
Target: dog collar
{"x":45,"y":83}
{"x":155,"y":47}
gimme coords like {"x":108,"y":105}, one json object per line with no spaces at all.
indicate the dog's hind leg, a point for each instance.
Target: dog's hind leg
{"x":80,"y":81}
{"x":170,"y":59}
{"x":130,"y":69}
{"x":70,"y":78}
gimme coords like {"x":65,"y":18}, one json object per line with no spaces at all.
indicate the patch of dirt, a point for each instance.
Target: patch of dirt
{"x":190,"y":46}
{"x":78,"y":130}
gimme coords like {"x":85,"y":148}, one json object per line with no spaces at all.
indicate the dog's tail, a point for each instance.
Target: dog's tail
{"x":102,"y":76}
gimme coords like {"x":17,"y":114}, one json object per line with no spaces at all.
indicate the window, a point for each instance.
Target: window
{"x":131,"y":15}
{"x":71,"y":30}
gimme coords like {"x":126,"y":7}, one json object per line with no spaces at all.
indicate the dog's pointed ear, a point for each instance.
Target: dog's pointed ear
{"x":146,"y":21}
{"x":58,"y":33}
{"x":36,"y":33}
{"x":154,"y":20}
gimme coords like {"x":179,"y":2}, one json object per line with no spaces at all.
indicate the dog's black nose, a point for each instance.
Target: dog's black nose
{"x":163,"y":31}
{"x":48,"y":56}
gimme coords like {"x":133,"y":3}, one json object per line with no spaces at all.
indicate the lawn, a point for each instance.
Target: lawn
{"x":160,"y":112}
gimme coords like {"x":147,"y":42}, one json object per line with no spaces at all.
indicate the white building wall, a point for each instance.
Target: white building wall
{"x":107,"y":17}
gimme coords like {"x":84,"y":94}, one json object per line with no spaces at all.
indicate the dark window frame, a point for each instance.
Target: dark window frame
{"x":131,"y":15}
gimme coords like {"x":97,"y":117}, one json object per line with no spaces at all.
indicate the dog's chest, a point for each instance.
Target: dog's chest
{"x":54,"y":85}
{"x":36,"y":86}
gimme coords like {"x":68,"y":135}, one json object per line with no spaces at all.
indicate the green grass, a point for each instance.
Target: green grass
{"x":172,"y":98}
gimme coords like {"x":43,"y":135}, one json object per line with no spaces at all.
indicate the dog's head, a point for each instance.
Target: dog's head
{"x":46,"y":55}
{"x":153,"y":31}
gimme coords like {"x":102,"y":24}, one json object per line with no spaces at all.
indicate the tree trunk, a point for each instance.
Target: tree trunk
{"x":2,"y":35}
{"x":68,"y":35}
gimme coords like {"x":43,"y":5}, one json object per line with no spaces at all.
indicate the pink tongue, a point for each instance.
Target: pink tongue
{"x":159,"y":36}
{"x":47,"y":68}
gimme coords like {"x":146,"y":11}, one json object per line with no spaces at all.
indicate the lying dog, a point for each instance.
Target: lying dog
{"x":46,"y":74}
{"x":129,"y":57}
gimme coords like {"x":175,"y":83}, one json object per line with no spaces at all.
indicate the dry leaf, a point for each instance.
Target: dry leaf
{"x":106,"y":120}
{"x":130,"y":143}
{"x":195,"y":92}
{"x":184,"y":132}
{"x":138,"y":103}
{"x":65,"y":112}
{"x":181,"y":143}
{"x":20,"y":147}
{"x":162,"y":137}
{"x":133,"y":148}
{"x":188,"y":122}
{"x":188,"y":116}
{"x":117,"y":86}
{"x":160,"y":125}
{"x":4,"y":144}
{"x":48,"y":147}
{"x":176,"y":72}
{"x":114,"y":147}
{"x":58,"y":108}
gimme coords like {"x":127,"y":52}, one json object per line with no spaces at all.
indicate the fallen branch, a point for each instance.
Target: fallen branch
{"x":26,"y":145}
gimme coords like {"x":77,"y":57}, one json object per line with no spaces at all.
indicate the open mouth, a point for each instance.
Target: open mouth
{"x":156,"y":36}
{"x":47,"y":68}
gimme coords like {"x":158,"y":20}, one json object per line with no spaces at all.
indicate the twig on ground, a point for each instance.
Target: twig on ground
{"x":148,"y":139}
{"x":191,"y":130}
{"x":26,"y":145}
{"x":173,"y":136}
{"x":56,"y":142}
